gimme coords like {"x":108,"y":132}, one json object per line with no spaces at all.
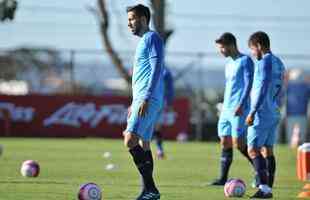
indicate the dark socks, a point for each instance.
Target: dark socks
{"x":244,"y":152}
{"x":159,"y":140}
{"x":271,"y":167}
{"x":259,"y":164}
{"x":149,"y":157}
{"x":226,"y":160}
{"x":144,"y":163}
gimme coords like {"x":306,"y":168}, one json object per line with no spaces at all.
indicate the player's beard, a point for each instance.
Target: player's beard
{"x":259,"y":56}
{"x":227,"y":53}
{"x":136,"y":29}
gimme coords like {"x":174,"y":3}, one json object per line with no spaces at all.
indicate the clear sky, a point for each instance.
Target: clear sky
{"x":197,"y":23}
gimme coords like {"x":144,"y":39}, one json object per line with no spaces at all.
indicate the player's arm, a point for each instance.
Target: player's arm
{"x":281,"y":93}
{"x":248,"y":71}
{"x":265,"y":78}
{"x":280,"y":96}
{"x":155,"y":58}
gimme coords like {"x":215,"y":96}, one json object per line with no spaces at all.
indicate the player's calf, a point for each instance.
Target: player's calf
{"x":226,"y":160}
{"x":271,"y":163}
{"x":260,"y":166}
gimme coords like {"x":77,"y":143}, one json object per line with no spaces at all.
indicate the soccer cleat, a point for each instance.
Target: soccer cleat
{"x":261,"y":195}
{"x":145,"y":195}
{"x":160,"y":155}
{"x":218,"y":182}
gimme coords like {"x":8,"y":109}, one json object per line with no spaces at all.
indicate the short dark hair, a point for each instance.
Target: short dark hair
{"x":227,"y":39}
{"x":141,"y":11}
{"x":261,"y":38}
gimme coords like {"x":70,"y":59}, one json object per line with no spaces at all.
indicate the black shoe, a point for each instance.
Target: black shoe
{"x":149,"y":195}
{"x":261,"y":195}
{"x":218,"y":182}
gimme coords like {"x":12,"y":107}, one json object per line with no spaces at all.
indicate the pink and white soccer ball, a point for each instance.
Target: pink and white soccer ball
{"x":30,"y":168}
{"x":234,"y":188}
{"x":90,"y":191}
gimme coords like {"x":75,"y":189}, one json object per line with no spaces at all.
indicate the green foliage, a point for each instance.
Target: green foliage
{"x":7,"y":9}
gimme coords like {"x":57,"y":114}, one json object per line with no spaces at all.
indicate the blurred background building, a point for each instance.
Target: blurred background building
{"x":56,"y":47}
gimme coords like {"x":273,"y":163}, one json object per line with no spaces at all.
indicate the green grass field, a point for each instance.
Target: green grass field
{"x":67,"y":163}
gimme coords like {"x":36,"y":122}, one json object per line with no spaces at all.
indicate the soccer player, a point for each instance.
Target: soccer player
{"x":147,"y":88}
{"x":231,"y":125}
{"x":264,"y":113}
{"x":298,"y":95}
{"x":168,"y":100}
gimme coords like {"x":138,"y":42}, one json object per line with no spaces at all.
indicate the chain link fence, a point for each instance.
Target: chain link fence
{"x":197,"y":76}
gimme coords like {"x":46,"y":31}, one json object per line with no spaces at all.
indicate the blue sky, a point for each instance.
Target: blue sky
{"x":197,"y":23}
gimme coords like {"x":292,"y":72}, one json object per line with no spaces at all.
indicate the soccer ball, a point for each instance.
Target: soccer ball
{"x":30,"y":168}
{"x":234,"y":188}
{"x":89,"y":191}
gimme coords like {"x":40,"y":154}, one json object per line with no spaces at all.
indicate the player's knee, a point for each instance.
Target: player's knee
{"x":253,"y":152}
{"x":130,"y":140}
{"x":263,"y":151}
{"x":226,"y":142}
{"x":130,"y":143}
{"x":267,"y":151}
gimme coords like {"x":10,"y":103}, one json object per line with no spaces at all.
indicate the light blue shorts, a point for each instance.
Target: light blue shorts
{"x":230,"y":125}
{"x":263,"y":132}
{"x":143,"y":126}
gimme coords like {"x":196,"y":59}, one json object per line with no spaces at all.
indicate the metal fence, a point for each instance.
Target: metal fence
{"x":198,"y":76}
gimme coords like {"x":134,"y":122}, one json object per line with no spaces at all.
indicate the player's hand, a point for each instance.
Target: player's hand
{"x":239,"y":111}
{"x":249,"y":120}
{"x":143,"y":108}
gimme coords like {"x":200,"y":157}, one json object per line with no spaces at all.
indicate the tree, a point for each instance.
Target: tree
{"x":159,"y":19}
{"x":103,"y":17}
{"x":7,"y":10}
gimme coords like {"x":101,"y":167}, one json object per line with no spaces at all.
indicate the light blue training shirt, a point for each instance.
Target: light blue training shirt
{"x":147,"y":79}
{"x":239,"y":77}
{"x":268,"y":84}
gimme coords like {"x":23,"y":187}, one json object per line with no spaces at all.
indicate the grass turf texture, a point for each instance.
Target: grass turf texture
{"x":68,"y":163}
